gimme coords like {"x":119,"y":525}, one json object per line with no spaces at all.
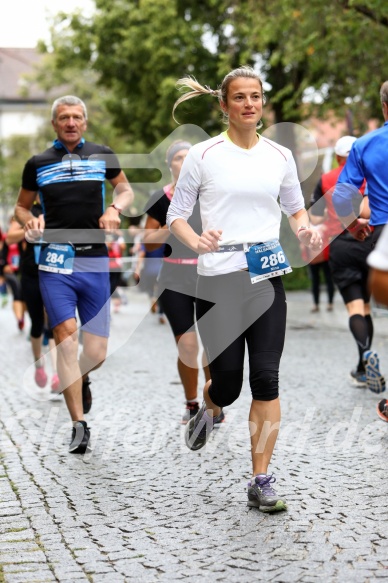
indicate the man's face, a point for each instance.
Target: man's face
{"x":69,"y":125}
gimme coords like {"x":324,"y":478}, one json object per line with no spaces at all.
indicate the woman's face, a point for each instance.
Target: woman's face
{"x":244,"y":103}
{"x":176,"y":163}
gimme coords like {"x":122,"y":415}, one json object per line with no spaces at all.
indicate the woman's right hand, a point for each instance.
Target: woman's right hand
{"x":208,"y":241}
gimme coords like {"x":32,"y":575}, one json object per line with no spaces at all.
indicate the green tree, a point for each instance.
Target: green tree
{"x":314,"y":57}
{"x":14,"y":152}
{"x":125,"y":61}
{"x":127,"y":57}
{"x":329,"y":51}
{"x":137,"y":49}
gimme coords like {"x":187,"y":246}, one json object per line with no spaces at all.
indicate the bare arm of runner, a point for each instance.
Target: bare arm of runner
{"x":205,"y":243}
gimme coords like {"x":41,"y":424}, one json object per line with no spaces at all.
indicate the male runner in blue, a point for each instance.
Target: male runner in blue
{"x":367,"y":161}
{"x":73,"y":263}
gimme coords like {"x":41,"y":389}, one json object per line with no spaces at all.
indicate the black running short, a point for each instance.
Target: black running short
{"x":180,"y":311}
{"x":348,"y":260}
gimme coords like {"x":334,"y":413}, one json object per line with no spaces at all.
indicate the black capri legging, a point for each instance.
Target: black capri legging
{"x":231,"y":311}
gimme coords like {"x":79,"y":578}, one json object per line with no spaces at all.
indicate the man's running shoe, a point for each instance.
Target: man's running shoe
{"x":80,"y":438}
{"x":191,"y":410}
{"x":382,"y":409}
{"x":358,"y":378}
{"x":261,"y":495}
{"x":374,"y":379}
{"x":40,"y":377}
{"x":198,"y":429}
{"x":55,"y":384}
{"x":86,"y":395}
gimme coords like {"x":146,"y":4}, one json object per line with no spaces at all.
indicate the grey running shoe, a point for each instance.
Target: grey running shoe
{"x":261,"y":495}
{"x":80,"y":438}
{"x":199,"y":428}
{"x":374,"y":379}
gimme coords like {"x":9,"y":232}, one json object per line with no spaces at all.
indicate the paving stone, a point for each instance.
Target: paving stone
{"x":21,"y":535}
{"x":35,"y":577}
{"x":19,"y":546}
{"x":25,"y":568}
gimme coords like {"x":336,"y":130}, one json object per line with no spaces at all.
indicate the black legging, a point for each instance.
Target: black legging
{"x":315,"y":270}
{"x":231,"y":311}
{"x":33,"y":299}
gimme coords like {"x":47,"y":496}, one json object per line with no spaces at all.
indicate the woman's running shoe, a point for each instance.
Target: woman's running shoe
{"x":262,"y":495}
{"x":198,"y":429}
{"x":40,"y":377}
{"x":374,"y":379}
{"x":382,"y":409}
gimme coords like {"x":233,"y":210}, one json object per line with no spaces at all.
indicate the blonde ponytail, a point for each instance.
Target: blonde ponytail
{"x":194,"y":89}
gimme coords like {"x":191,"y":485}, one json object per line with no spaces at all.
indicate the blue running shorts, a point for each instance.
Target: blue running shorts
{"x":87,"y":290}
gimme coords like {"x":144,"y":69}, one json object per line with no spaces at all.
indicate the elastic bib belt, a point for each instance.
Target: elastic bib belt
{"x":187,"y":261}
{"x":236,"y":247}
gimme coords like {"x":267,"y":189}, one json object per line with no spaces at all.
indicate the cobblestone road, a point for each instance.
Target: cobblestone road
{"x":143,"y":508}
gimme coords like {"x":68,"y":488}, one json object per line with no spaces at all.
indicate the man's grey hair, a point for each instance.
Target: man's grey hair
{"x":384,"y":92}
{"x":68,"y":100}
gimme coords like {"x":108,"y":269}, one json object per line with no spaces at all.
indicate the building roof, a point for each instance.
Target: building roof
{"x":15,"y":64}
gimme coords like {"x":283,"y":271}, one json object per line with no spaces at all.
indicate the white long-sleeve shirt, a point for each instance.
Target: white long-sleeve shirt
{"x":239,"y":192}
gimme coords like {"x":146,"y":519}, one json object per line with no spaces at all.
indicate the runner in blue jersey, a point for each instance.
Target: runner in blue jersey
{"x":367,"y":161}
{"x":73,"y":263}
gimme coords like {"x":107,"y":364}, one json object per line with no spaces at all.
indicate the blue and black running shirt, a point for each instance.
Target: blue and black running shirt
{"x":72,"y":187}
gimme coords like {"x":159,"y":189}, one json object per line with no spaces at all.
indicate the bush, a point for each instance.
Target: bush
{"x":298,"y":279}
